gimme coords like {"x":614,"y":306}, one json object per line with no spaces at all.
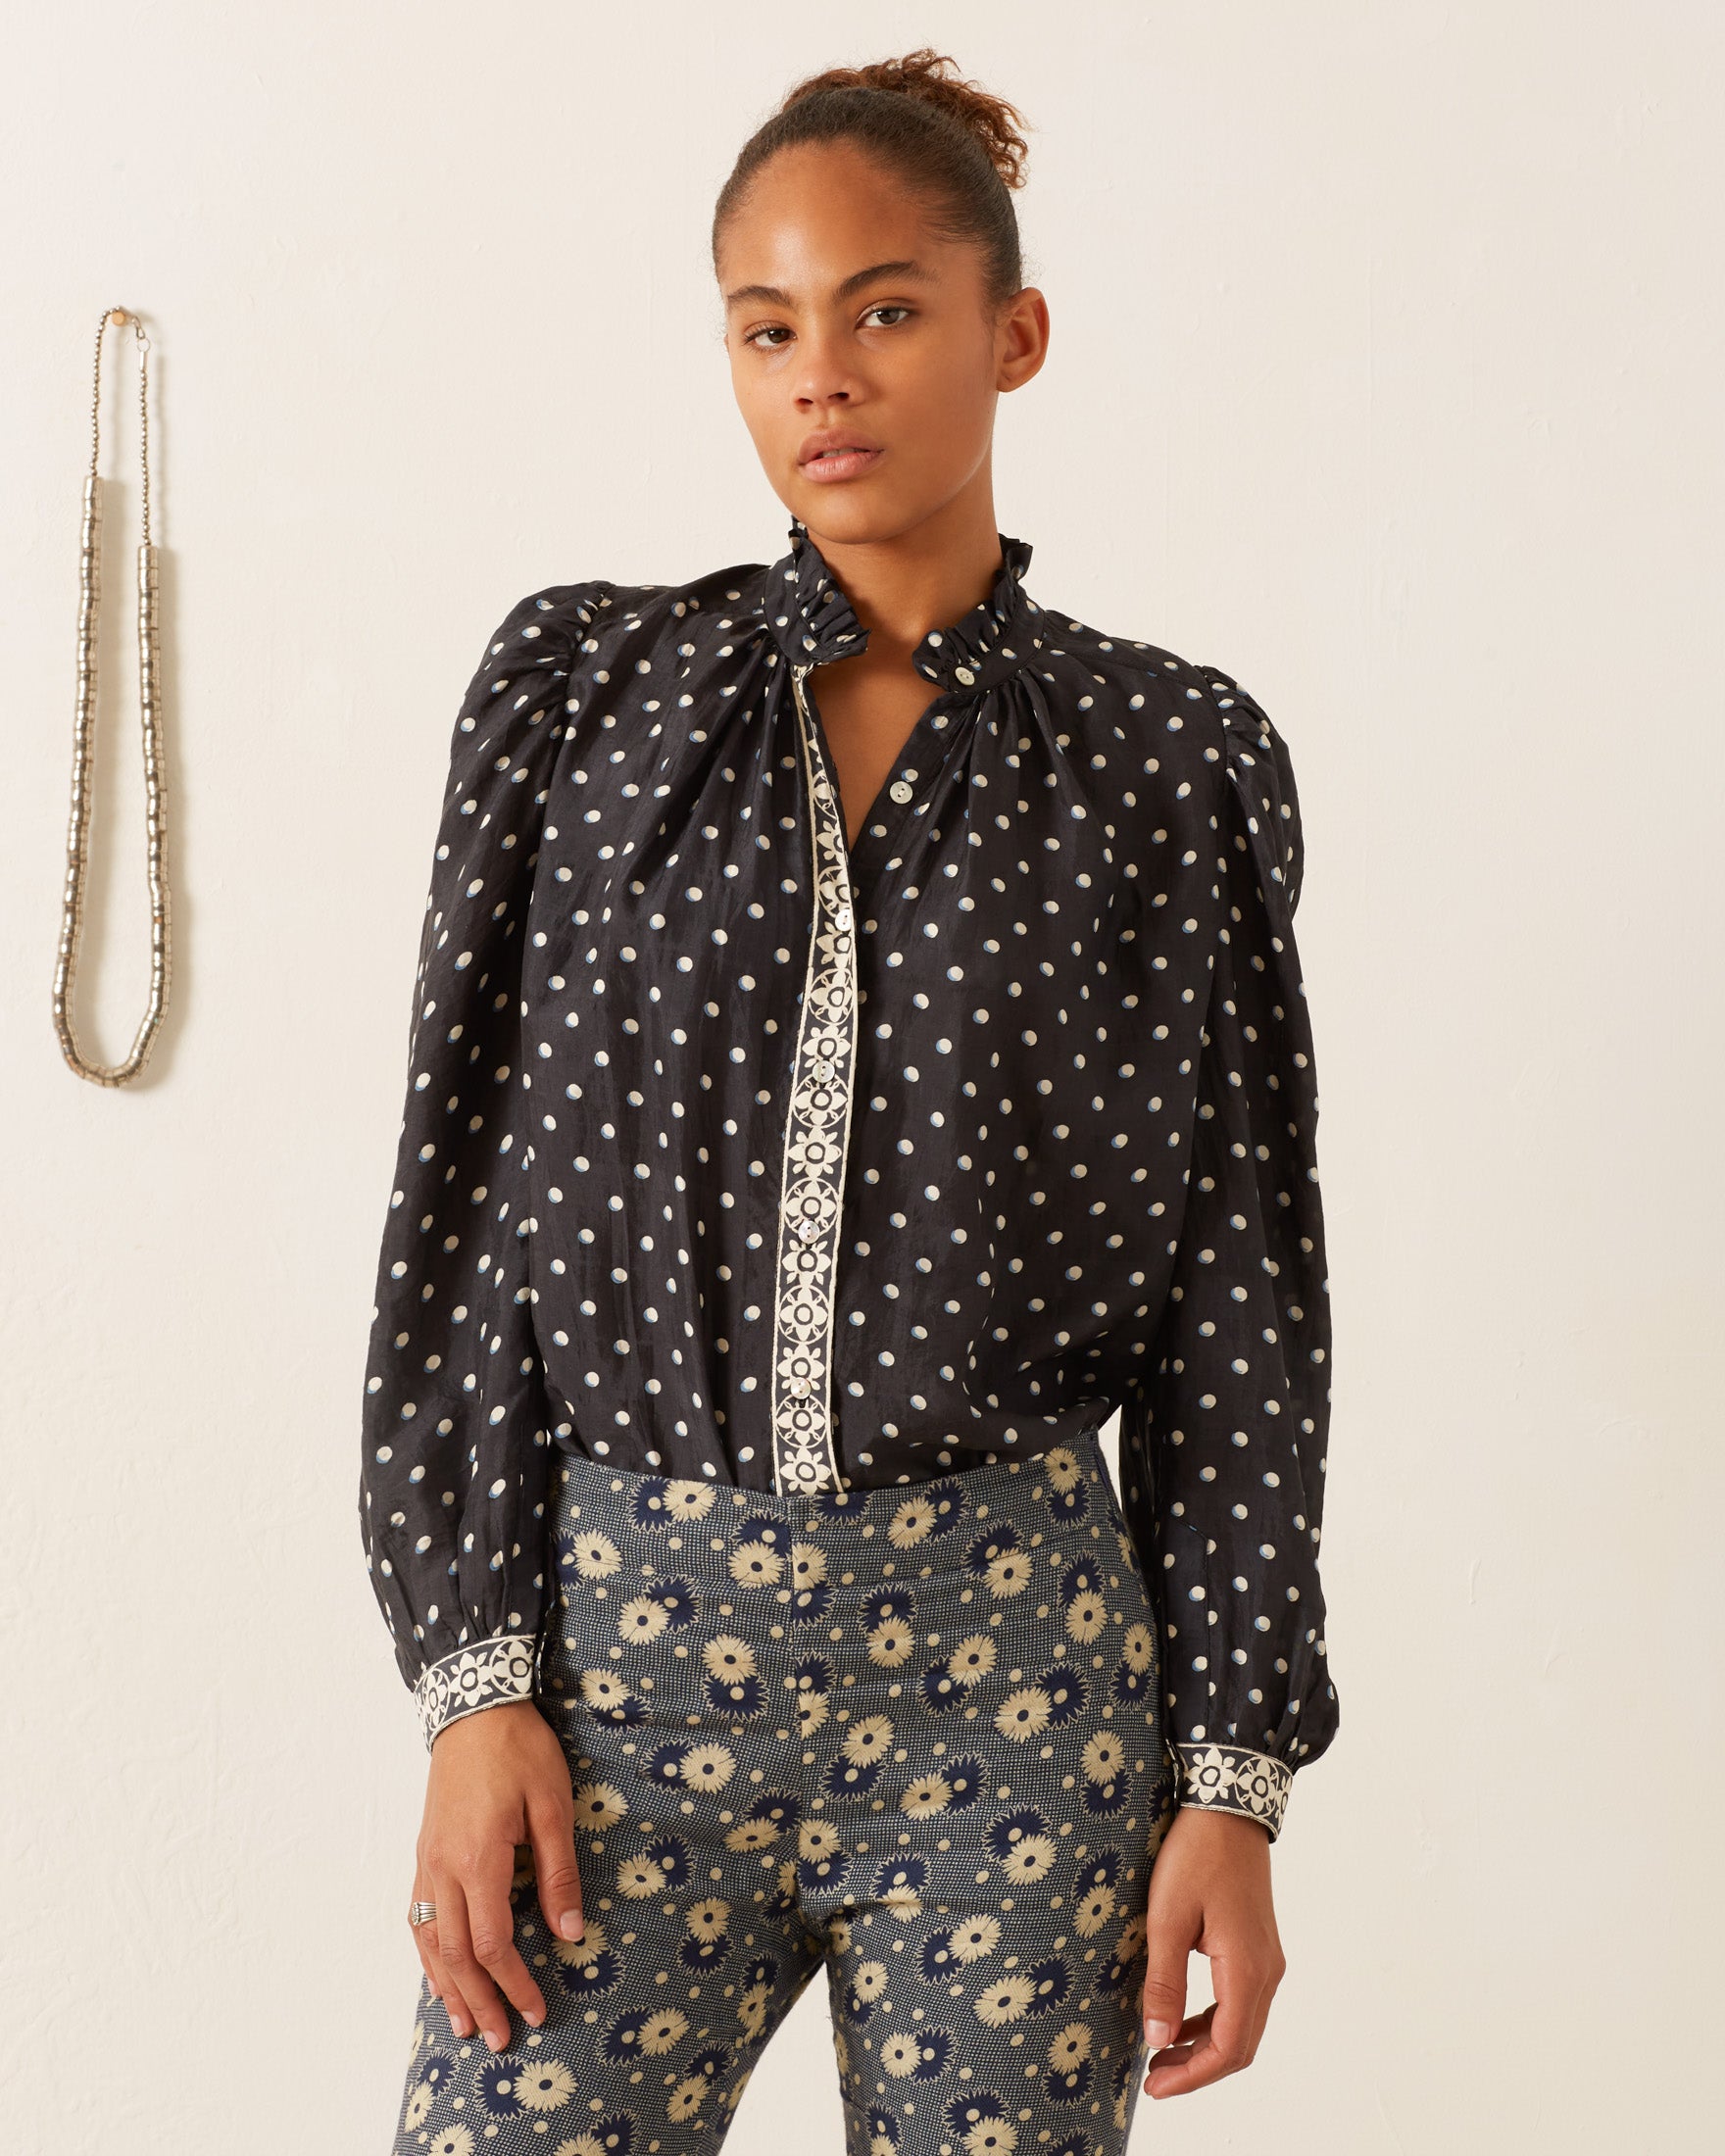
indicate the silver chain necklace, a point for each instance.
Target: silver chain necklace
{"x":83,"y":742}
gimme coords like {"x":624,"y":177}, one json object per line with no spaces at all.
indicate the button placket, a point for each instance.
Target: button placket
{"x":817,"y":1118}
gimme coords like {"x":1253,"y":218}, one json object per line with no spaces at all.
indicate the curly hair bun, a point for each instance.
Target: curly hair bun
{"x":953,"y":142}
{"x":933,"y":79}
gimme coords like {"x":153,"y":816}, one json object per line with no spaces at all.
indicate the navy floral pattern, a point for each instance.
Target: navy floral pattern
{"x":913,"y":1734}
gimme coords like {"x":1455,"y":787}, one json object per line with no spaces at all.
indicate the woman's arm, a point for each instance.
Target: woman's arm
{"x":456,"y":1428}
{"x":1224,"y":1438}
{"x":454,"y":1439}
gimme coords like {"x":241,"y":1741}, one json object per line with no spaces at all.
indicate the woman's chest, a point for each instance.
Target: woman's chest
{"x":1008,"y":872}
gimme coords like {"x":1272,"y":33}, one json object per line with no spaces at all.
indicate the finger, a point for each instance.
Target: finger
{"x":442,"y":1985}
{"x":468,"y":1977}
{"x":1236,"y":1984}
{"x":460,"y":2017}
{"x":1192,"y":2026}
{"x":491,"y":1928}
{"x":1265,"y":1999}
{"x":425,"y":1940}
{"x":1226,"y":2043}
{"x":422,"y":1945}
{"x":552,"y":1827}
{"x":1161,"y":2080}
{"x":1167,"y":1950}
{"x":455,"y":2004}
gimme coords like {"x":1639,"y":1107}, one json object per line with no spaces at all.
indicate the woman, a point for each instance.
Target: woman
{"x":860,"y":1046}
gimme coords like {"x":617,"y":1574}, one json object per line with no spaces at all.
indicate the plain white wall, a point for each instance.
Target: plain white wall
{"x":1386,"y":376}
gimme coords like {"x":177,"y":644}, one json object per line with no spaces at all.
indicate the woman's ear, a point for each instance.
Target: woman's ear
{"x":1021,"y":341}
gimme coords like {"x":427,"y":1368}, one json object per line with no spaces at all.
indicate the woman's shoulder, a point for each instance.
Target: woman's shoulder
{"x":1188,"y":714}
{"x":1138,"y":663}
{"x":1198,"y":730}
{"x":586,"y":615}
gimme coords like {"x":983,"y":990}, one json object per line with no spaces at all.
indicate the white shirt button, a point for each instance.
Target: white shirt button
{"x":965,"y":675}
{"x":899,"y":790}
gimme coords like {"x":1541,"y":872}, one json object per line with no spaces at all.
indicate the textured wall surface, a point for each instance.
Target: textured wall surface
{"x":1385,"y":375}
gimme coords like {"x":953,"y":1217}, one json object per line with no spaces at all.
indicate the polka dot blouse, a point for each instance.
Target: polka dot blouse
{"x":738,"y":1154}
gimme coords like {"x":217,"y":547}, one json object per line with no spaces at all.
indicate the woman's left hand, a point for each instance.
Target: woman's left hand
{"x":1209,"y":1894}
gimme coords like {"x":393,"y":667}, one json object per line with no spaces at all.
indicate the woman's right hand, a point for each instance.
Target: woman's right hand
{"x":498,"y":1779}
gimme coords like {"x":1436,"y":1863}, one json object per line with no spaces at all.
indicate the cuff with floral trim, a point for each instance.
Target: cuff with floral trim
{"x":1226,"y":1777}
{"x":489,"y":1674}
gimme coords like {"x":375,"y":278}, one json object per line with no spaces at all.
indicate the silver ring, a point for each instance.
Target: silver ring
{"x":423,"y":1912}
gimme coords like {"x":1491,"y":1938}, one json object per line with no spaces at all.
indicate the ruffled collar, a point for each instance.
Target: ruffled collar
{"x":813,"y":623}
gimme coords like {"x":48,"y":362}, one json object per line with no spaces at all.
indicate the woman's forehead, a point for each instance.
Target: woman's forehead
{"x":824,"y":212}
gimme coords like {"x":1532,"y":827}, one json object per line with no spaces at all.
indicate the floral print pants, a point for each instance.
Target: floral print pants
{"x":913,"y":1734}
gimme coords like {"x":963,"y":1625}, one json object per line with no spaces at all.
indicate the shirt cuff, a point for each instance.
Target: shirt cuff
{"x":1226,"y":1777}
{"x":490,"y":1674}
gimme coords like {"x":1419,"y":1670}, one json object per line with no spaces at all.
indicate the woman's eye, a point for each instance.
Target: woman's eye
{"x":888,"y":307}
{"x":768,"y":329}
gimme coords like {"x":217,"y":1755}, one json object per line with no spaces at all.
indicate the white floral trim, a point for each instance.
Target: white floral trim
{"x":485,"y":1675}
{"x":1227,"y":1778}
{"x":817,"y":1122}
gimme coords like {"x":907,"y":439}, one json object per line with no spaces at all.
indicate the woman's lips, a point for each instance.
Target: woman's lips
{"x":843,"y":464}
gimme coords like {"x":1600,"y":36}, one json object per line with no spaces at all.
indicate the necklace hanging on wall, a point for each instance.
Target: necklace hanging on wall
{"x":84,"y":737}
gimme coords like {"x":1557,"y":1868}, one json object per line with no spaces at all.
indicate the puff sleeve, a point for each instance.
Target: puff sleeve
{"x":1224,"y":1434}
{"x":455,"y":1452}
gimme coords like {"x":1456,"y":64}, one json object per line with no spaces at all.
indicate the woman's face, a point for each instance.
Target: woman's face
{"x":849,"y":322}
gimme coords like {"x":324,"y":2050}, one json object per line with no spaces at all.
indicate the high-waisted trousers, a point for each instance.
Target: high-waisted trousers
{"x":916,"y":1734}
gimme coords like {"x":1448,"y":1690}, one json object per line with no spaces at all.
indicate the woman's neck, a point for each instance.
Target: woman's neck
{"x":922,"y":579}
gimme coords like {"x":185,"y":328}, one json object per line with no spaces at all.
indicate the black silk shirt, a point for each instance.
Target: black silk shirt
{"x":737,"y":1155}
